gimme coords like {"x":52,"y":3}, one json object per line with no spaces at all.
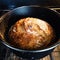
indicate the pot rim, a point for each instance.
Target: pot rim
{"x":21,"y":50}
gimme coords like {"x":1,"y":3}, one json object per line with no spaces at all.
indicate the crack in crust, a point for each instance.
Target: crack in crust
{"x":31,"y":33}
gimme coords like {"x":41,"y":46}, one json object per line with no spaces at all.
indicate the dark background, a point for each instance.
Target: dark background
{"x":10,"y":4}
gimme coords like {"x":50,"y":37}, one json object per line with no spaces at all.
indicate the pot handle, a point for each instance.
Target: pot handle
{"x":55,"y":9}
{"x":3,"y":25}
{"x":58,"y":43}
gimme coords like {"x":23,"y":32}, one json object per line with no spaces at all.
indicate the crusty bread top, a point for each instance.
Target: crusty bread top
{"x":31,"y":33}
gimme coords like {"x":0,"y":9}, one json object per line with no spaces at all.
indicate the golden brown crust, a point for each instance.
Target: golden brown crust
{"x":31,"y":33}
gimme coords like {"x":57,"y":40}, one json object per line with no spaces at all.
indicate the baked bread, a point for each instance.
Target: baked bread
{"x":31,"y":33}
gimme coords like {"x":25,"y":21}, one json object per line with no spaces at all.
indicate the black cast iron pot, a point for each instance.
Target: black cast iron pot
{"x":7,"y":20}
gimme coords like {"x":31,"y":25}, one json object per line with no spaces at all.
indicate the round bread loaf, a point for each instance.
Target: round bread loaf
{"x":31,"y":33}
